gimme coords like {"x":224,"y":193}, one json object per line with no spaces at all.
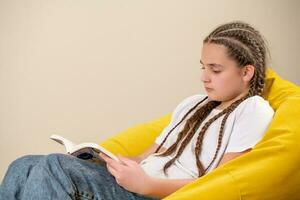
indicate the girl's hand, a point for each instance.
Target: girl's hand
{"x":128,"y":174}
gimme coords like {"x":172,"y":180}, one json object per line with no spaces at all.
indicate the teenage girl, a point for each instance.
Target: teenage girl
{"x":205,"y":132}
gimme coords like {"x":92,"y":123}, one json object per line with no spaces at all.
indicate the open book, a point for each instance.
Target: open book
{"x":87,"y":151}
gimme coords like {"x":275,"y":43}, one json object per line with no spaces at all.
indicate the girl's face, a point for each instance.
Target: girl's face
{"x":223,"y":80}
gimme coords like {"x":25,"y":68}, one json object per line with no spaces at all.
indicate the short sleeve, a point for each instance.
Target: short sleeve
{"x":251,"y":122}
{"x":177,"y":114}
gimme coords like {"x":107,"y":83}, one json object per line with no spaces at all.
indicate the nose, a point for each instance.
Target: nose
{"x":205,"y":77}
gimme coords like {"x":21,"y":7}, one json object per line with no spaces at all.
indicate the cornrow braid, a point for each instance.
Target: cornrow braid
{"x":234,"y":25}
{"x":245,"y":45}
{"x":255,"y":55}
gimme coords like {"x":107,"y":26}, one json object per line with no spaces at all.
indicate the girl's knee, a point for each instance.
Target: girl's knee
{"x":54,"y":157}
{"x":25,"y":160}
{"x":23,"y":164}
{"x":57,"y":159}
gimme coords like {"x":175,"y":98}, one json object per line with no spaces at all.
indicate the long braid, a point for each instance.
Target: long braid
{"x":247,"y":47}
{"x":179,"y":135}
{"x":202,"y":112}
{"x":195,"y":122}
{"x":200,"y":137}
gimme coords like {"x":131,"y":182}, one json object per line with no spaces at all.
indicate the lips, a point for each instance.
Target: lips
{"x":208,"y":89}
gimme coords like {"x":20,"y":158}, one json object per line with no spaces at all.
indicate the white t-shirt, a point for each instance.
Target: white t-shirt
{"x":244,"y":127}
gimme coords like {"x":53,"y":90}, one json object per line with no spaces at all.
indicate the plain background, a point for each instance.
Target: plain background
{"x":88,"y":69}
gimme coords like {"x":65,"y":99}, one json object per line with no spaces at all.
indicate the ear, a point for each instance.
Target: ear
{"x":248,"y":72}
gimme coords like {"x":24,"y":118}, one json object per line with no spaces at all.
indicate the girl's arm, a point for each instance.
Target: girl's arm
{"x":163,"y":187}
{"x":146,"y":153}
{"x":231,"y":155}
{"x":160,"y":188}
{"x":132,"y":177}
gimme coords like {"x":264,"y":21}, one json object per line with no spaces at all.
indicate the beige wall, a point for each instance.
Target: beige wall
{"x":88,"y":69}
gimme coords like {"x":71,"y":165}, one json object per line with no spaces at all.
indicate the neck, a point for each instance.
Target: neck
{"x":225,"y":104}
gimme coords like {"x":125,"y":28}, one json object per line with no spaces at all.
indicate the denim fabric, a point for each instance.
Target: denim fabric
{"x":61,"y":176}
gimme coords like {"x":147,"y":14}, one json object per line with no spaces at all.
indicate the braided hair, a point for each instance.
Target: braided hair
{"x":246,"y":46}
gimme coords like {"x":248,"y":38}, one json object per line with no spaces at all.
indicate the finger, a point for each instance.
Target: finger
{"x":116,"y":165}
{"x":112,"y":163}
{"x":105,"y":158}
{"x":127,"y":161}
{"x":112,"y":171}
{"x":115,"y":174}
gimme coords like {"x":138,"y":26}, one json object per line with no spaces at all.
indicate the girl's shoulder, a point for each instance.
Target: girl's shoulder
{"x":254,"y":105}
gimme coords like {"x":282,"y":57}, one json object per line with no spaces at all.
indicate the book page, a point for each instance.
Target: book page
{"x":84,"y":151}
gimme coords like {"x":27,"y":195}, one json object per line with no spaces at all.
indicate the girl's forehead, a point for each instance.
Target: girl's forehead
{"x":216,"y":54}
{"x":214,"y":51}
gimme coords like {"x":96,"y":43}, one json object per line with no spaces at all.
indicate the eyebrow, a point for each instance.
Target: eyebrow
{"x":212,"y":64}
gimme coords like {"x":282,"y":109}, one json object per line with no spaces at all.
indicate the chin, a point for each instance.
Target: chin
{"x":213,"y":97}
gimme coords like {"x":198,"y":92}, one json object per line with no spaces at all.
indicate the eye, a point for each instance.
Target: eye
{"x":216,"y":71}
{"x":212,"y":69}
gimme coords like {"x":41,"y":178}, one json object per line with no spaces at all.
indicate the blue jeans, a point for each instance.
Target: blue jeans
{"x":61,"y":176}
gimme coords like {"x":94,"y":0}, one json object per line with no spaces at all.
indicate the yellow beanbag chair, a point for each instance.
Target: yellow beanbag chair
{"x":271,"y":171}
